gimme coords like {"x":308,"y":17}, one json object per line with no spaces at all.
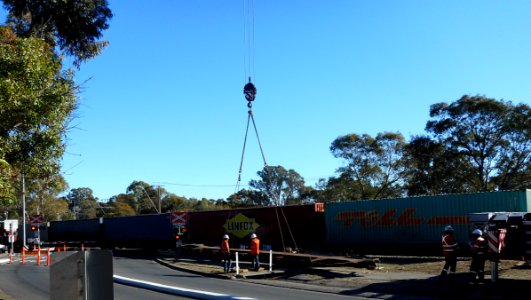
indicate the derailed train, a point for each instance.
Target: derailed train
{"x":404,"y":225}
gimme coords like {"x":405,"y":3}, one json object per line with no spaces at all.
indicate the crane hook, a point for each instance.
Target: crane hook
{"x":249,"y":90}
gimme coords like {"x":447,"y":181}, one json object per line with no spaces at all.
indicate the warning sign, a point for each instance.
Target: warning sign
{"x":179,"y":218}
{"x":241,"y":225}
{"x":37,"y":219}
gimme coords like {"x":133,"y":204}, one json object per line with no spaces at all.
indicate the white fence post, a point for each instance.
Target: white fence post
{"x":270,"y":260}
{"x":237,"y":265}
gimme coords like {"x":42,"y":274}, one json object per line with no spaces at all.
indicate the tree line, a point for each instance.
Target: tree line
{"x":473,"y":144}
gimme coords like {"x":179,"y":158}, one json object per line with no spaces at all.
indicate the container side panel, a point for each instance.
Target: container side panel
{"x":413,"y":220}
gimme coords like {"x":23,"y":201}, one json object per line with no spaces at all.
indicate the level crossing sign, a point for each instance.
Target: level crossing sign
{"x":37,"y":219}
{"x":179,"y":218}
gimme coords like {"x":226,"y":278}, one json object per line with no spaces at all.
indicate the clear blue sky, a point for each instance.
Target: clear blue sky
{"x":164,"y":103}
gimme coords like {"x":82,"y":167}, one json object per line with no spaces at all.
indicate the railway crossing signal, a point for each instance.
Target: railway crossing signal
{"x":179,"y":218}
{"x":36,"y":220}
{"x":179,"y":231}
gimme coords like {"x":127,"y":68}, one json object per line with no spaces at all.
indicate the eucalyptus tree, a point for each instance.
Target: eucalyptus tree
{"x":56,"y":210}
{"x":374,"y":166}
{"x":73,"y":26}
{"x":171,"y":203}
{"x":7,"y":190}
{"x":492,"y":136}
{"x":119,"y":208}
{"x":143,"y":197}
{"x":83,"y":203}
{"x":37,"y":100}
{"x":281,"y":186}
{"x":514,"y":163}
{"x":433,"y":169}
{"x":248,"y":198}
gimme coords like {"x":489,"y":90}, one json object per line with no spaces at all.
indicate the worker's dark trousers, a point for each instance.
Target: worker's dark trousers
{"x":227,"y":262}
{"x":478,"y":267}
{"x":450,"y":263}
{"x":256,"y":262}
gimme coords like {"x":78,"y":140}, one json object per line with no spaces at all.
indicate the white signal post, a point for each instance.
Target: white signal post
{"x":11,"y":227}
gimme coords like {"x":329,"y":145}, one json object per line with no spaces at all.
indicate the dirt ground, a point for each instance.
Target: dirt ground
{"x":432,"y":266}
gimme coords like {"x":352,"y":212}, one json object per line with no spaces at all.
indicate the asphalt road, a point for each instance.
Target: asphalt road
{"x":32,"y":282}
{"x":154,"y":272}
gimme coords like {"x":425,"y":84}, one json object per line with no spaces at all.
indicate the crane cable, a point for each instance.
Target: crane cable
{"x":250,"y":93}
{"x":249,"y":89}
{"x":248,"y":40}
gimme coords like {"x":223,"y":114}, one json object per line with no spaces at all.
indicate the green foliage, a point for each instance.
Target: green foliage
{"x":120,"y":209}
{"x":75,"y":26}
{"x":204,"y":204}
{"x":476,"y":144}
{"x":36,"y":101}
{"x":434,"y":169}
{"x":493,"y":137}
{"x":279,"y":185}
{"x":75,"y":196}
{"x":248,"y":198}
{"x":144,"y":197}
{"x":172,"y":203}
{"x":56,"y":209}
{"x":83,"y":204}
{"x":88,"y":209}
{"x":374,"y":170}
{"x":7,"y":191}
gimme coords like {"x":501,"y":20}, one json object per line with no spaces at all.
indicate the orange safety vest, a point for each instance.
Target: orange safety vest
{"x":255,"y":246}
{"x":479,"y":246}
{"x":225,"y":246}
{"x":449,"y":244}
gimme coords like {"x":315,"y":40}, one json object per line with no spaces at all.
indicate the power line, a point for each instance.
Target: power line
{"x":197,"y":185}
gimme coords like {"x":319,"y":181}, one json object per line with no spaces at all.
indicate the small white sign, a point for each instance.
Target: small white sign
{"x":11,"y":225}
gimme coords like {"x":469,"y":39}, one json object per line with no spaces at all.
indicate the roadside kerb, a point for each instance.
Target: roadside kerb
{"x":197,"y":294}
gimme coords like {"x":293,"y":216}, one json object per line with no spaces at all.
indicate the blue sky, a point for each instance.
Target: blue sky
{"x":164,"y":104}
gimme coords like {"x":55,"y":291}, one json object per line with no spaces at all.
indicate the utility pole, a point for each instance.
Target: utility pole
{"x":160,"y":210}
{"x":23,"y":211}
{"x":152,"y":203}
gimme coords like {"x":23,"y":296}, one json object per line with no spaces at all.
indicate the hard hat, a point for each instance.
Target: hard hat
{"x":448,"y":228}
{"x":226,"y":236}
{"x":253,"y":236}
{"x":477,"y":232}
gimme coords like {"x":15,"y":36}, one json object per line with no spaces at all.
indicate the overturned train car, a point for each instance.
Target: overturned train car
{"x":413,"y":225}
{"x":146,"y":231}
{"x":286,"y":228}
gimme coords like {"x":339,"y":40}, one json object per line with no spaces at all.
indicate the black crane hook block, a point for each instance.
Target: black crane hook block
{"x":249,"y":90}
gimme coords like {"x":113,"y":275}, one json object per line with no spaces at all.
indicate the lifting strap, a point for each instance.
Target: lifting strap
{"x":250,"y":117}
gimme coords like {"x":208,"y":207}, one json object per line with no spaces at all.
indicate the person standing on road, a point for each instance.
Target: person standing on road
{"x":449,"y":247}
{"x":224,"y":249}
{"x":255,"y":252}
{"x":478,"y":247}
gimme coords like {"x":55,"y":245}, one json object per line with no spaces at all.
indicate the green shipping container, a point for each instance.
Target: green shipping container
{"x":413,"y":222}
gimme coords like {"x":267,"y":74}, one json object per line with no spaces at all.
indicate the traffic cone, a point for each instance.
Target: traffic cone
{"x":48,"y":257}
{"x":39,"y":256}
{"x":23,"y":255}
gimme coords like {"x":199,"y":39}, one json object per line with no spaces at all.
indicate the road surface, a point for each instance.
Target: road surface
{"x":30,"y":281}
